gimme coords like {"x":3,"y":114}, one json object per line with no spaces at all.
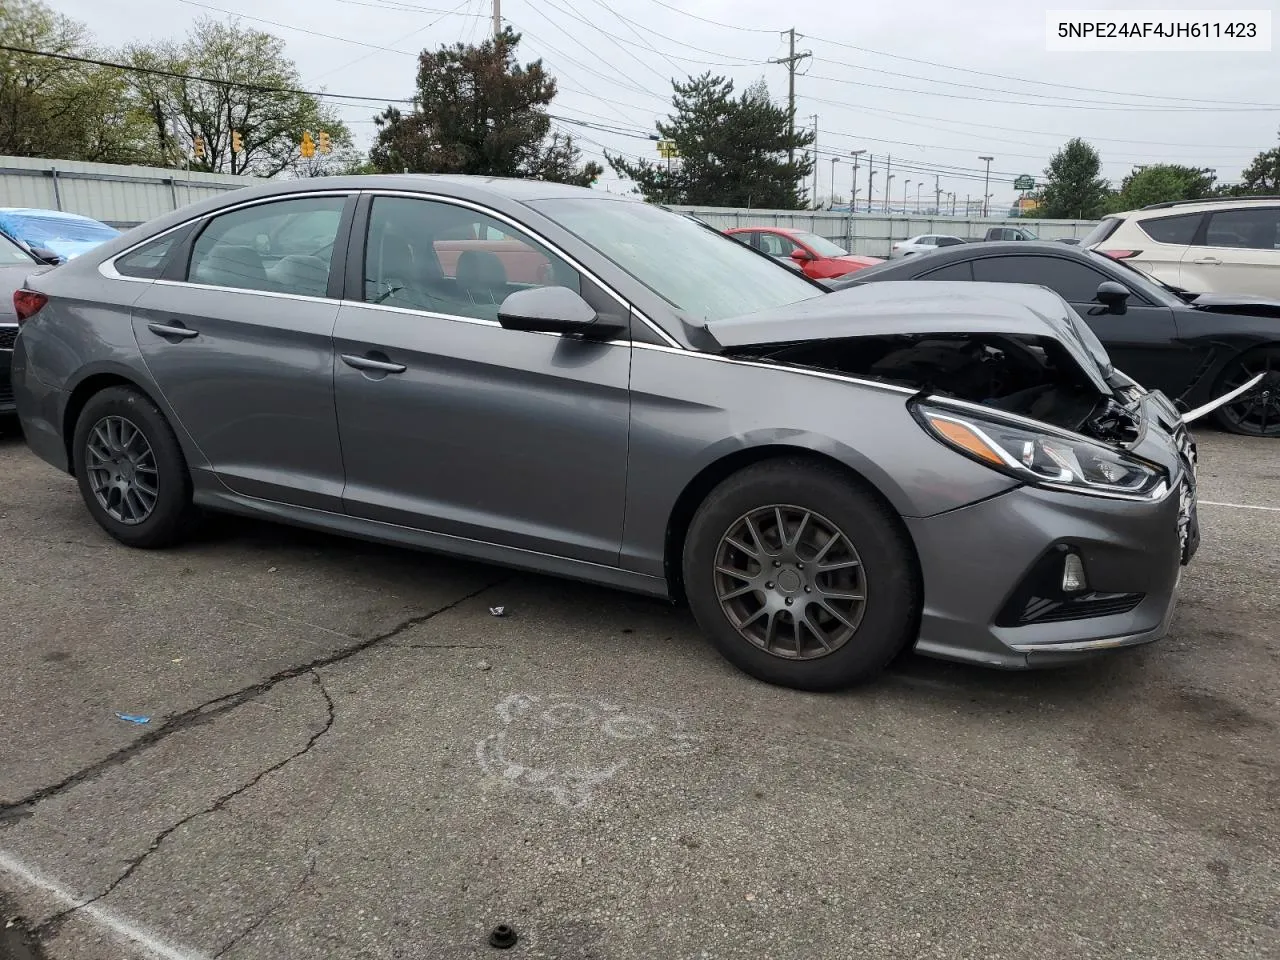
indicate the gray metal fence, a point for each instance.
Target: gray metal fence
{"x":122,"y":196}
{"x":872,"y":234}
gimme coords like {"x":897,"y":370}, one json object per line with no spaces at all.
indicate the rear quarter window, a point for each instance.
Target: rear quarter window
{"x":952,"y":271}
{"x":1102,"y":231}
{"x":1180,"y":229}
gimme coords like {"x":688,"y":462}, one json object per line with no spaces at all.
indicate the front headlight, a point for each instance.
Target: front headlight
{"x":1043,"y":457}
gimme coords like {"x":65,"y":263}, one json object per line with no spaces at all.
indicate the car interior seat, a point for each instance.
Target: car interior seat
{"x":301,"y":274}
{"x":232,"y":265}
{"x":482,"y":277}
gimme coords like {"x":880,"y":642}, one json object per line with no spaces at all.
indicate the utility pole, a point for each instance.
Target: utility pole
{"x":791,"y":60}
{"x":888,"y":180}
{"x":814,"y":204}
{"x":871,"y":180}
{"x":497,"y":19}
{"x":853,"y":187}
{"x":986,"y":185}
{"x":937,"y":195}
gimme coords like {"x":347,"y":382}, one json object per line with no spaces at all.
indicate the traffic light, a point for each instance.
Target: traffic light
{"x":308,"y":145}
{"x":237,"y":142}
{"x":322,"y":142}
{"x":197,"y":147}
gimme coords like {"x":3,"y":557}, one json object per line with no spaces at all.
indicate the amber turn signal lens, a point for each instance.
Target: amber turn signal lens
{"x":966,"y":439}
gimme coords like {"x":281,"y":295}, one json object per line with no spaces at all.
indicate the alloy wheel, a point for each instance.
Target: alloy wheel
{"x":790,"y":582}
{"x":122,"y":470}
{"x":1258,"y":411}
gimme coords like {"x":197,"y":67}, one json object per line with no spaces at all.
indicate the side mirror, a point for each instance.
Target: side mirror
{"x":47,"y":255}
{"x":800,"y":256}
{"x":555,"y":310}
{"x":1113,"y":295}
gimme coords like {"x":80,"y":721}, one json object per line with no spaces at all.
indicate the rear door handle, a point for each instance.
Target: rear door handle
{"x":172,"y":330}
{"x":1208,"y":261}
{"x":367,"y":363}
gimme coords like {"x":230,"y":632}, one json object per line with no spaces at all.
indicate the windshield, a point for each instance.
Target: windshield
{"x":12,"y":255}
{"x":820,"y":245}
{"x":698,"y":270}
{"x":39,"y":231}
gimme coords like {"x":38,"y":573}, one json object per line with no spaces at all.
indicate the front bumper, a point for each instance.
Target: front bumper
{"x":8,"y":335}
{"x":988,"y":600}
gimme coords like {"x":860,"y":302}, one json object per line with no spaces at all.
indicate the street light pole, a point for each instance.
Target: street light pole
{"x":986,"y":185}
{"x":906,"y":184}
{"x":919,"y":183}
{"x":871,"y":180}
{"x":834,"y":161}
{"x":888,"y":191}
{"x":853,"y":187}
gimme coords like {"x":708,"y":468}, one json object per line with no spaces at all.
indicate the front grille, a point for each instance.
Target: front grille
{"x":8,"y":336}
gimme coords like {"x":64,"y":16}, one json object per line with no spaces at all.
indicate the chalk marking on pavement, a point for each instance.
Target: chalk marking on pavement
{"x":100,"y":915}
{"x":576,"y":732}
{"x":1237,"y":506}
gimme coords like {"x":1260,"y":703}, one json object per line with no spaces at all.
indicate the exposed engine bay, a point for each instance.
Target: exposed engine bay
{"x":1030,"y":376}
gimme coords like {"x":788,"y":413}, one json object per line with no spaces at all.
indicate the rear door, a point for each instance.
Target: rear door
{"x":237,"y":333}
{"x":454,"y":425}
{"x":1142,"y":341}
{"x":1236,"y":251}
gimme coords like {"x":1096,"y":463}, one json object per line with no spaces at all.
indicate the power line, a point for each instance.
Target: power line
{"x":404,"y":39}
{"x":614,"y":80}
{"x":607,"y":36}
{"x":715,"y":23}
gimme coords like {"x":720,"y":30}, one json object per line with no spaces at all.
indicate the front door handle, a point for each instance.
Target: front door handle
{"x":172,"y":330}
{"x":368,"y":363}
{"x":1209,"y":261}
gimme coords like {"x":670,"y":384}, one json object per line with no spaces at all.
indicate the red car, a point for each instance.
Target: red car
{"x":819,"y":258}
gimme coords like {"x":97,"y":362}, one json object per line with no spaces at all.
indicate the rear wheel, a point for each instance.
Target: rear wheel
{"x":1256,"y":413}
{"x":800,"y":577}
{"x":131,"y":471}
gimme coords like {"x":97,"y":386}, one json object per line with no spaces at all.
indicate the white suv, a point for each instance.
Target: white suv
{"x":1229,"y":245}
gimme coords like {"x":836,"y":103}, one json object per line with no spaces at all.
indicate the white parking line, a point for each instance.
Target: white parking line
{"x":1237,"y":506}
{"x":152,"y":944}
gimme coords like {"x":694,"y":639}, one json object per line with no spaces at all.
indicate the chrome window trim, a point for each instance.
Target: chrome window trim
{"x":820,"y":374}
{"x":537,"y":238}
{"x":107,"y":268}
{"x":276,"y":294}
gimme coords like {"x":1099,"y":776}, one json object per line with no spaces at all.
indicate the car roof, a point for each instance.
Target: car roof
{"x":763,"y":229}
{"x":1175,"y":207}
{"x":51,"y":214}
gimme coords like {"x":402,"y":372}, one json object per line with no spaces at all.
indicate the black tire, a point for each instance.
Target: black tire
{"x":1257,"y":413}
{"x":172,"y":516}
{"x":889,"y":617}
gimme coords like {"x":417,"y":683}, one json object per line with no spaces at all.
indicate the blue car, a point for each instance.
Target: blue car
{"x":52,"y":234}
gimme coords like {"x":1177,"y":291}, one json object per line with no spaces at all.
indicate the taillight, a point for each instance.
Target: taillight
{"x":27,"y":303}
{"x":1120,"y":254}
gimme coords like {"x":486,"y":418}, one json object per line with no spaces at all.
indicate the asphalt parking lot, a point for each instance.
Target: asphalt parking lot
{"x":349,"y":756}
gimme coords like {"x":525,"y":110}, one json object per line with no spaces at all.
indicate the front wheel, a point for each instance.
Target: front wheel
{"x":800,"y":577}
{"x":1256,"y":413}
{"x":131,"y":471}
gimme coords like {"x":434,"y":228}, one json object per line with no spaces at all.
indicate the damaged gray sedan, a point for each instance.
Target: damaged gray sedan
{"x":588,"y":386}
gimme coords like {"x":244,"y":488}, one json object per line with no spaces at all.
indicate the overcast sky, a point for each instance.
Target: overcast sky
{"x":895,"y":79}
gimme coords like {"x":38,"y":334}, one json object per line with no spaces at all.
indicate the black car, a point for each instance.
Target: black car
{"x":1193,"y":347}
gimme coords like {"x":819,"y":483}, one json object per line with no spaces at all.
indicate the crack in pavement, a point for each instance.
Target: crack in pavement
{"x":53,"y":924}
{"x":212,"y":709}
{"x":260,"y":920}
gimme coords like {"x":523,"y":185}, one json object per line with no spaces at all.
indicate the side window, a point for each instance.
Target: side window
{"x":776,"y":245}
{"x":1180,"y":230}
{"x":1070,"y":280}
{"x":949,"y":241}
{"x":438,"y":257}
{"x":1252,"y":229}
{"x":952,"y":271}
{"x":282,"y":247}
{"x":148,"y":260}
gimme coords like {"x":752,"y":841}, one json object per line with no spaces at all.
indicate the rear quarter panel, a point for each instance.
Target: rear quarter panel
{"x":690,"y":410}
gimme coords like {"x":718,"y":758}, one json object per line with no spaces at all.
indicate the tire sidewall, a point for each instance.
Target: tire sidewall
{"x":1220,"y":415}
{"x":173,"y":504}
{"x":892,"y":579}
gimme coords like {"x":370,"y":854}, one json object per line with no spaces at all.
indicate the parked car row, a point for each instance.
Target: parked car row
{"x":590,"y":386}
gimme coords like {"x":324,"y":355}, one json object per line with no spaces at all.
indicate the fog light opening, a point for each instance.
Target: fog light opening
{"x":1073,"y":578}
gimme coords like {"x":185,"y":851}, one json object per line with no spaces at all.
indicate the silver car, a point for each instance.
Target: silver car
{"x":925,"y":243}
{"x":585,"y":385}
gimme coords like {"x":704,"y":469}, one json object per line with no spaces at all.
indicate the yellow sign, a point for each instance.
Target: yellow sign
{"x":667,"y":149}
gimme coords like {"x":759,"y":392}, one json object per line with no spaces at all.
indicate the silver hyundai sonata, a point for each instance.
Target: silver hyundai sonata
{"x":590,"y":386}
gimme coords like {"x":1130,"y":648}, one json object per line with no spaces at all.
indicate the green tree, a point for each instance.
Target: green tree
{"x":1161,"y":183}
{"x":1073,"y":189}
{"x":246,"y":71}
{"x":1262,"y":176}
{"x":477,"y":110}
{"x":733,"y":152}
{"x":58,"y":108}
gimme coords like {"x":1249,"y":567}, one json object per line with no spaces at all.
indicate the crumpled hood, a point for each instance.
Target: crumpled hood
{"x":923,"y":307}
